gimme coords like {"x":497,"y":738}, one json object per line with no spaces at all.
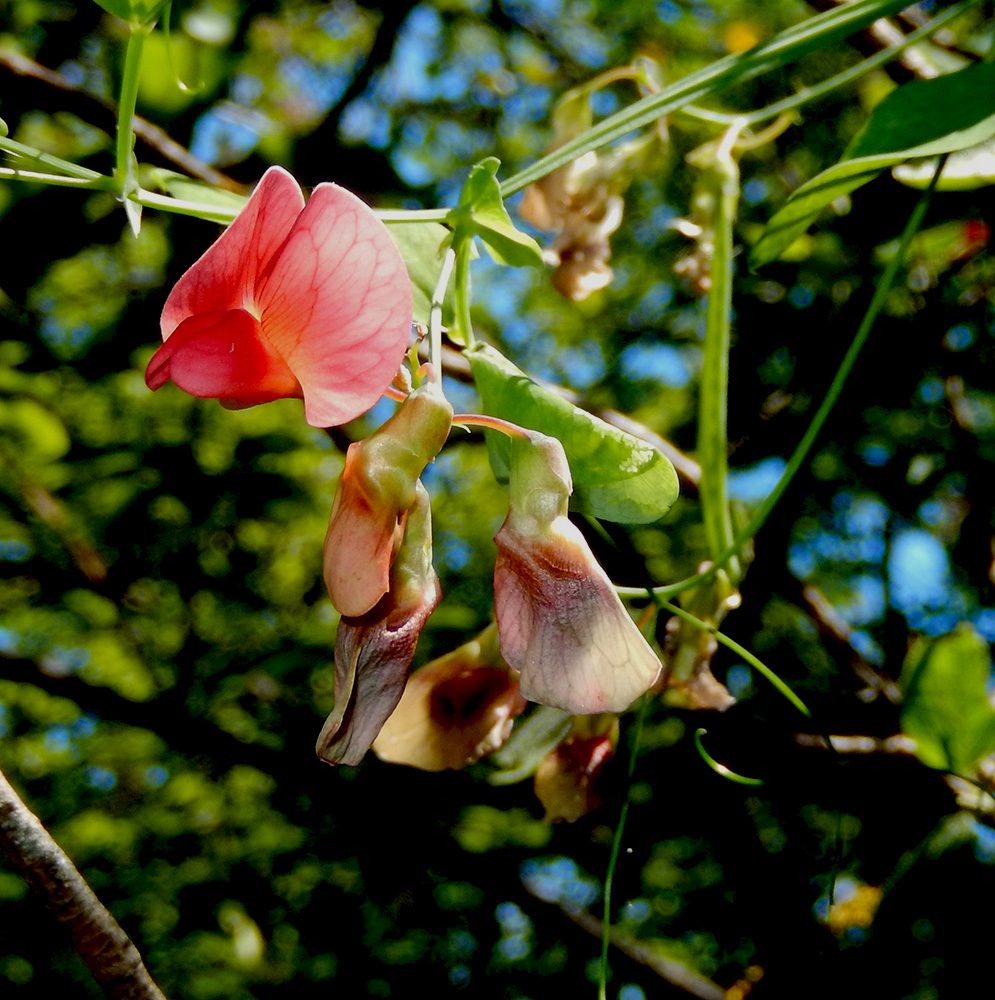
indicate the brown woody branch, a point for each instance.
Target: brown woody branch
{"x":97,"y":937}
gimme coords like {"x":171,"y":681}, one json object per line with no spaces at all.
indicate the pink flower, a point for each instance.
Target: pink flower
{"x":454,"y":711}
{"x":292,"y":300}
{"x":561,"y":622}
{"x":373,"y":652}
{"x":373,"y":497}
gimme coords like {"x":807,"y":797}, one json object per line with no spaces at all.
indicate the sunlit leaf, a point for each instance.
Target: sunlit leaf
{"x":946,"y":708}
{"x":481,"y":212}
{"x":182,"y":187}
{"x":422,"y":245}
{"x":920,"y":119}
{"x":615,"y":475}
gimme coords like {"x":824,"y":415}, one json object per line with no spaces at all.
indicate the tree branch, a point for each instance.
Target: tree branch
{"x":97,"y":937}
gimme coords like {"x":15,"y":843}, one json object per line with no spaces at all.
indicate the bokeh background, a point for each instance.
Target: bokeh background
{"x":165,"y":638}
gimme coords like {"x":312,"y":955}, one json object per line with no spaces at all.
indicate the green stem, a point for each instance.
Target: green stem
{"x":124,"y":167}
{"x":835,"y":390}
{"x":19,"y":150}
{"x":52,"y":180}
{"x":801,"y":452}
{"x":722,"y":177}
{"x":787,"y":47}
{"x":435,"y":312}
{"x":718,"y":768}
{"x":606,"y":925}
{"x":399,"y":216}
{"x":742,"y":651}
{"x":832,"y":83}
{"x":464,"y":325}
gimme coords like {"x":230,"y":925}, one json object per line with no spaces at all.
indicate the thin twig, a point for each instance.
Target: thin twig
{"x":151,"y":135}
{"x":676,"y":973}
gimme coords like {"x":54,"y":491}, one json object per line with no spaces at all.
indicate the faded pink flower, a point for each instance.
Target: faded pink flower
{"x":455,"y":710}
{"x":292,"y":300}
{"x":562,"y":625}
{"x":567,"y":777}
{"x":374,"y":494}
{"x":373,"y":652}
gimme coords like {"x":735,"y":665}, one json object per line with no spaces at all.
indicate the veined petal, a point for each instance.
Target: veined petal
{"x":563,"y":626}
{"x":226,"y":276}
{"x":335,"y":302}
{"x":560,"y":621}
{"x":221,"y":355}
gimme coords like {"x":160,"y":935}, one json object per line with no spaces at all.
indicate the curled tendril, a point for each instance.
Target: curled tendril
{"x":718,"y":768}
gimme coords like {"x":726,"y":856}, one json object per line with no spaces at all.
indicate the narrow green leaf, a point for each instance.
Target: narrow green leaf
{"x":965,"y":170}
{"x":616,"y":476}
{"x":481,"y":212}
{"x":182,"y":187}
{"x":920,"y":119}
{"x":528,"y":744}
{"x":945,"y":706}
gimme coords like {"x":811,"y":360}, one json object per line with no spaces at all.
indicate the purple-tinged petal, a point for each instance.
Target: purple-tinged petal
{"x":373,"y":652}
{"x":562,"y":625}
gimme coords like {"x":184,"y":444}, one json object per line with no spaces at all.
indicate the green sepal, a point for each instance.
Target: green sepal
{"x":481,"y":212}
{"x":616,"y":476}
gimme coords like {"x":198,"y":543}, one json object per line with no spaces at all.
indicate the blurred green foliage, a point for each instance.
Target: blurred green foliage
{"x":165,"y":638}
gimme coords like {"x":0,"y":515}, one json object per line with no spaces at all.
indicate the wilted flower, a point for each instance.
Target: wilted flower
{"x":582,"y":200}
{"x":373,"y":652}
{"x":455,"y":710}
{"x":561,"y":622}
{"x":566,"y":779}
{"x":304,"y":301}
{"x":688,"y":650}
{"x":374,"y":494}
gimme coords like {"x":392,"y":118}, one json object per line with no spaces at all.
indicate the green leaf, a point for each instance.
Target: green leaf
{"x":481,"y":212}
{"x":616,"y":476}
{"x":182,"y":187}
{"x":922,"y":118}
{"x":965,"y":170}
{"x":422,"y":245}
{"x":945,"y":707}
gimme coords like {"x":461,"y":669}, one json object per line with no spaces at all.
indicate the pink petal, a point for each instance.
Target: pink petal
{"x":364,"y":532}
{"x":562,"y":624}
{"x":221,"y":355}
{"x":335,"y":302}
{"x":225,"y":277}
{"x":373,"y":652}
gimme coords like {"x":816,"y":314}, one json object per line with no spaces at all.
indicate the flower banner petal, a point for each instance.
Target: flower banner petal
{"x":336,"y":303}
{"x":225,"y":277}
